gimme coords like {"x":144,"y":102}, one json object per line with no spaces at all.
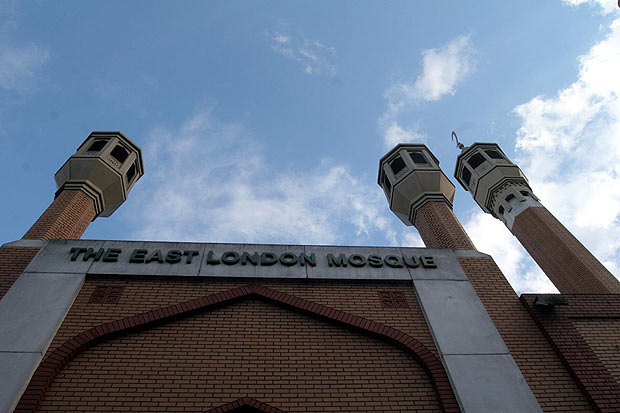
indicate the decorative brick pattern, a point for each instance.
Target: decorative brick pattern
{"x":13,"y":261}
{"x":586,"y":366}
{"x":106,"y":294}
{"x":245,"y":402}
{"x":61,"y":356}
{"x":393,"y":299}
{"x":66,"y":218}
{"x":567,"y":263}
{"x":550,"y":380}
{"x":439,"y":227}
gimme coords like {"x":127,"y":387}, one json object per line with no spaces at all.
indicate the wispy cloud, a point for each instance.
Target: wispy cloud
{"x":606,"y":6}
{"x":315,"y":57}
{"x":20,"y":66}
{"x":443,"y":68}
{"x":211,"y":181}
{"x":394,"y":134}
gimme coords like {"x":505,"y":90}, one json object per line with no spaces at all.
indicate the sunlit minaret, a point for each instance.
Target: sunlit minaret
{"x":502,"y":190}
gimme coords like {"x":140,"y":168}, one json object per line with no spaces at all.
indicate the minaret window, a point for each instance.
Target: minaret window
{"x":131,"y":172}
{"x":466,"y":176}
{"x":418,"y":157}
{"x":476,"y":160}
{"x":397,"y":165}
{"x":97,"y":145}
{"x":119,"y":153}
{"x":493,"y":154}
{"x":386,"y":184}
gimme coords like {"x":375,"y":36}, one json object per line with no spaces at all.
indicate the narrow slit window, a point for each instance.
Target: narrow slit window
{"x":476,"y":160}
{"x":510,"y":197}
{"x":97,"y":145}
{"x":418,"y":157}
{"x":466,"y":176}
{"x":386,"y":183}
{"x":397,"y":165}
{"x":131,"y":172}
{"x":525,"y":193}
{"x":501,"y":209}
{"x":493,"y":154}
{"x":119,"y":153}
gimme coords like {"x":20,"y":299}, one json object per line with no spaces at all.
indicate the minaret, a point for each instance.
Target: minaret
{"x":420,"y":194}
{"x":502,"y":190}
{"x":93,"y":182}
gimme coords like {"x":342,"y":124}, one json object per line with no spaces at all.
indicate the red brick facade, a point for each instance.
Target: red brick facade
{"x":66,"y":218}
{"x":250,"y":341}
{"x":567,"y":263}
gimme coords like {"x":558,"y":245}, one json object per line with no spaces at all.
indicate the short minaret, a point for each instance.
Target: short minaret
{"x":420,"y":194}
{"x":501,"y":189}
{"x":93,"y":182}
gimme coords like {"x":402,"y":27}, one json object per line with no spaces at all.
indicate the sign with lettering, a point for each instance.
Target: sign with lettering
{"x":145,"y":258}
{"x":267,"y":258}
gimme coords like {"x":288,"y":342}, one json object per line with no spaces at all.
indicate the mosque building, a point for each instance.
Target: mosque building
{"x":105,"y":325}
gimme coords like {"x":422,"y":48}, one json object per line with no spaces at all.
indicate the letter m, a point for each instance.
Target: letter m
{"x":340,"y":261}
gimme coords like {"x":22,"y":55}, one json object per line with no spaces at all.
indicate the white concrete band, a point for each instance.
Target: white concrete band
{"x":30,"y":314}
{"x":483,"y":374}
{"x":517,"y":208}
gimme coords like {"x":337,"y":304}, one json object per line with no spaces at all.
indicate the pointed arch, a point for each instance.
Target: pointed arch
{"x":59,"y":358}
{"x":245,"y":402}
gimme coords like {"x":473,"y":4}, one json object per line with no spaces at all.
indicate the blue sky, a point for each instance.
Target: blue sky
{"x":265,"y":121}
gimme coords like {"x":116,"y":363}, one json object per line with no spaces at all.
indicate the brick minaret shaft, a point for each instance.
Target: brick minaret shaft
{"x":440,"y":228}
{"x":67,"y":217}
{"x":501,"y":189}
{"x":567,"y":263}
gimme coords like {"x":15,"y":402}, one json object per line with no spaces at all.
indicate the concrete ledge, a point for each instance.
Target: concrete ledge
{"x":490,"y":384}
{"x":471,"y":254}
{"x":33,"y":308}
{"x":458,"y":320}
{"x":32,"y":243}
{"x":16,"y":369}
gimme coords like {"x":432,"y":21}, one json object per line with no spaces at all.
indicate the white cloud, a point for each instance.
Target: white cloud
{"x":568,"y":146}
{"x":607,"y":6}
{"x":395,"y":134}
{"x":489,"y":235}
{"x":315,"y":57}
{"x":20,"y":65}
{"x":443,"y":68}
{"x":211,"y":181}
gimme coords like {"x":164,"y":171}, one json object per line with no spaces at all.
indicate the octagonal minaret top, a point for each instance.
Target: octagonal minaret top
{"x":106,"y":166}
{"x":410,"y":177}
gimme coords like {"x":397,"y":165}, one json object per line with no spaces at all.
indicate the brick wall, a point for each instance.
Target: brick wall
{"x":439,"y":227}
{"x":567,"y":263}
{"x":66,"y":218}
{"x":290,"y":361}
{"x":550,"y":380}
{"x":13,"y":261}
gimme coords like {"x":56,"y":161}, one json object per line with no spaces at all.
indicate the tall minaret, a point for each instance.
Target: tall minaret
{"x":93,"y":182}
{"x":501,"y":189}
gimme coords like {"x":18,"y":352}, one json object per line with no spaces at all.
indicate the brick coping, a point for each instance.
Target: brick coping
{"x":59,"y":358}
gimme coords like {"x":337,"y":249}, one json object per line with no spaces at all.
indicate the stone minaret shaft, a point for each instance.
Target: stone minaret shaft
{"x":501,"y":189}
{"x":420,"y":194}
{"x":94,"y":182}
